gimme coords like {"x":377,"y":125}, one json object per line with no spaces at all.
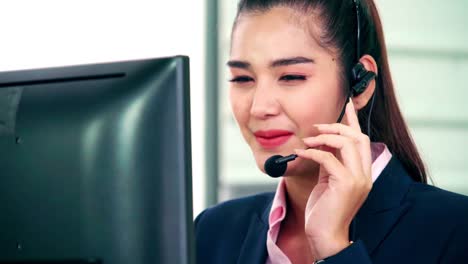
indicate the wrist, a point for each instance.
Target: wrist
{"x":325,"y":248}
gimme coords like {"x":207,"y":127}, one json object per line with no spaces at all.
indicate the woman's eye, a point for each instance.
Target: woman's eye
{"x":289,"y":78}
{"x":241,"y":79}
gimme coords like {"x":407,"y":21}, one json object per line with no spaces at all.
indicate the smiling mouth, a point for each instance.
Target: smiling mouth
{"x":272,"y":138}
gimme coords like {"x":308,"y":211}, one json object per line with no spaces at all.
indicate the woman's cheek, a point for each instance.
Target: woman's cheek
{"x":240,"y":106}
{"x":305,"y":110}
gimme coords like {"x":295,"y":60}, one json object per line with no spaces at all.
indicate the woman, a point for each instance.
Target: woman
{"x":357,"y":192}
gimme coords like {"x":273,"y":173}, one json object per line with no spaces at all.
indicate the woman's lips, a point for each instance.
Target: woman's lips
{"x":272,"y":138}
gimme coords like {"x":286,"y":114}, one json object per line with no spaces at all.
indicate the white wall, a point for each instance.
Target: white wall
{"x":54,"y":33}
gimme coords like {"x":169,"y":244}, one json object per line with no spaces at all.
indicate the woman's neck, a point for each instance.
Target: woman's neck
{"x":298,"y":189}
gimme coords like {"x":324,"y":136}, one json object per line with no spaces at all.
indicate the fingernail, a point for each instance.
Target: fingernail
{"x":351,"y":101}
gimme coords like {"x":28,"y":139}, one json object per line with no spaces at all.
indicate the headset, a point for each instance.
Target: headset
{"x":360,"y":77}
{"x":276,"y":165}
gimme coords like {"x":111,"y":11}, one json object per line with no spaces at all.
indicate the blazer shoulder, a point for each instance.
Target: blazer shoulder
{"x":445,"y":216}
{"x":221,"y":231}
{"x":236,"y":210}
{"x":420,"y":191}
{"x":429,"y":198}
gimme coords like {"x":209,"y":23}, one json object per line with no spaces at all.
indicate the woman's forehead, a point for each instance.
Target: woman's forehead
{"x":273,"y":34}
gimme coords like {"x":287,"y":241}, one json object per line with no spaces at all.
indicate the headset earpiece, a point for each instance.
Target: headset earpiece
{"x":361,"y":78}
{"x":358,"y":72}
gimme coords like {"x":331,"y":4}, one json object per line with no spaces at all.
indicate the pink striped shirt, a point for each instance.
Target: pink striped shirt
{"x":380,"y":158}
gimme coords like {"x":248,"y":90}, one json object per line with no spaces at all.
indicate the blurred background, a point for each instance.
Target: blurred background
{"x":427,"y":42}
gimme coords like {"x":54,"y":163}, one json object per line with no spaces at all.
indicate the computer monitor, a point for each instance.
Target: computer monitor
{"x":95,"y":164}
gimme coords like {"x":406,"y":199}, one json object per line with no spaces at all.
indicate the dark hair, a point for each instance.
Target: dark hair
{"x":339,"y":29}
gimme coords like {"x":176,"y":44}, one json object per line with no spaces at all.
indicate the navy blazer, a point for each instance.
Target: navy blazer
{"x":401,"y":221}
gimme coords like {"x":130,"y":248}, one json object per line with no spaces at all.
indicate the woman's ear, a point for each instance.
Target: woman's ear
{"x":361,"y":100}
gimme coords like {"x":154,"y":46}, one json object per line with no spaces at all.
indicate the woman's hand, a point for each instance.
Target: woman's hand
{"x":343,"y":184}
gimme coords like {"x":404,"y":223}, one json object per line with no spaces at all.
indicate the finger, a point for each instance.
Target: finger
{"x":325,"y":159}
{"x":351,"y":118}
{"x":340,"y":129}
{"x":347,"y":147}
{"x":360,"y":139}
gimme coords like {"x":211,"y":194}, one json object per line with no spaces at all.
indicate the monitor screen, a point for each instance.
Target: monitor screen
{"x":95,"y":164}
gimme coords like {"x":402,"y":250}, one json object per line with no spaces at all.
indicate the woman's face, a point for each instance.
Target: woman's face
{"x":283,"y":82}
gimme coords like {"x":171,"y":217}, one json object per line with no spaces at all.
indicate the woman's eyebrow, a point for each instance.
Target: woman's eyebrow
{"x":290,"y":61}
{"x":276,"y":63}
{"x":238,"y":64}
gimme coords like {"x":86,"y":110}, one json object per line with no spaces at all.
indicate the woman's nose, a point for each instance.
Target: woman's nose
{"x":264,"y":103}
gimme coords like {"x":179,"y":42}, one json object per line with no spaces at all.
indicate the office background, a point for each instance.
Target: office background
{"x":428,"y":52}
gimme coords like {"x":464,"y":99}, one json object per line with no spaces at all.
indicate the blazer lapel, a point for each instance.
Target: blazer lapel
{"x":384,"y":206}
{"x":254,"y":247}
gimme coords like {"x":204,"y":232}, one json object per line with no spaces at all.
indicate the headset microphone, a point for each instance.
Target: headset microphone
{"x":275,"y":166}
